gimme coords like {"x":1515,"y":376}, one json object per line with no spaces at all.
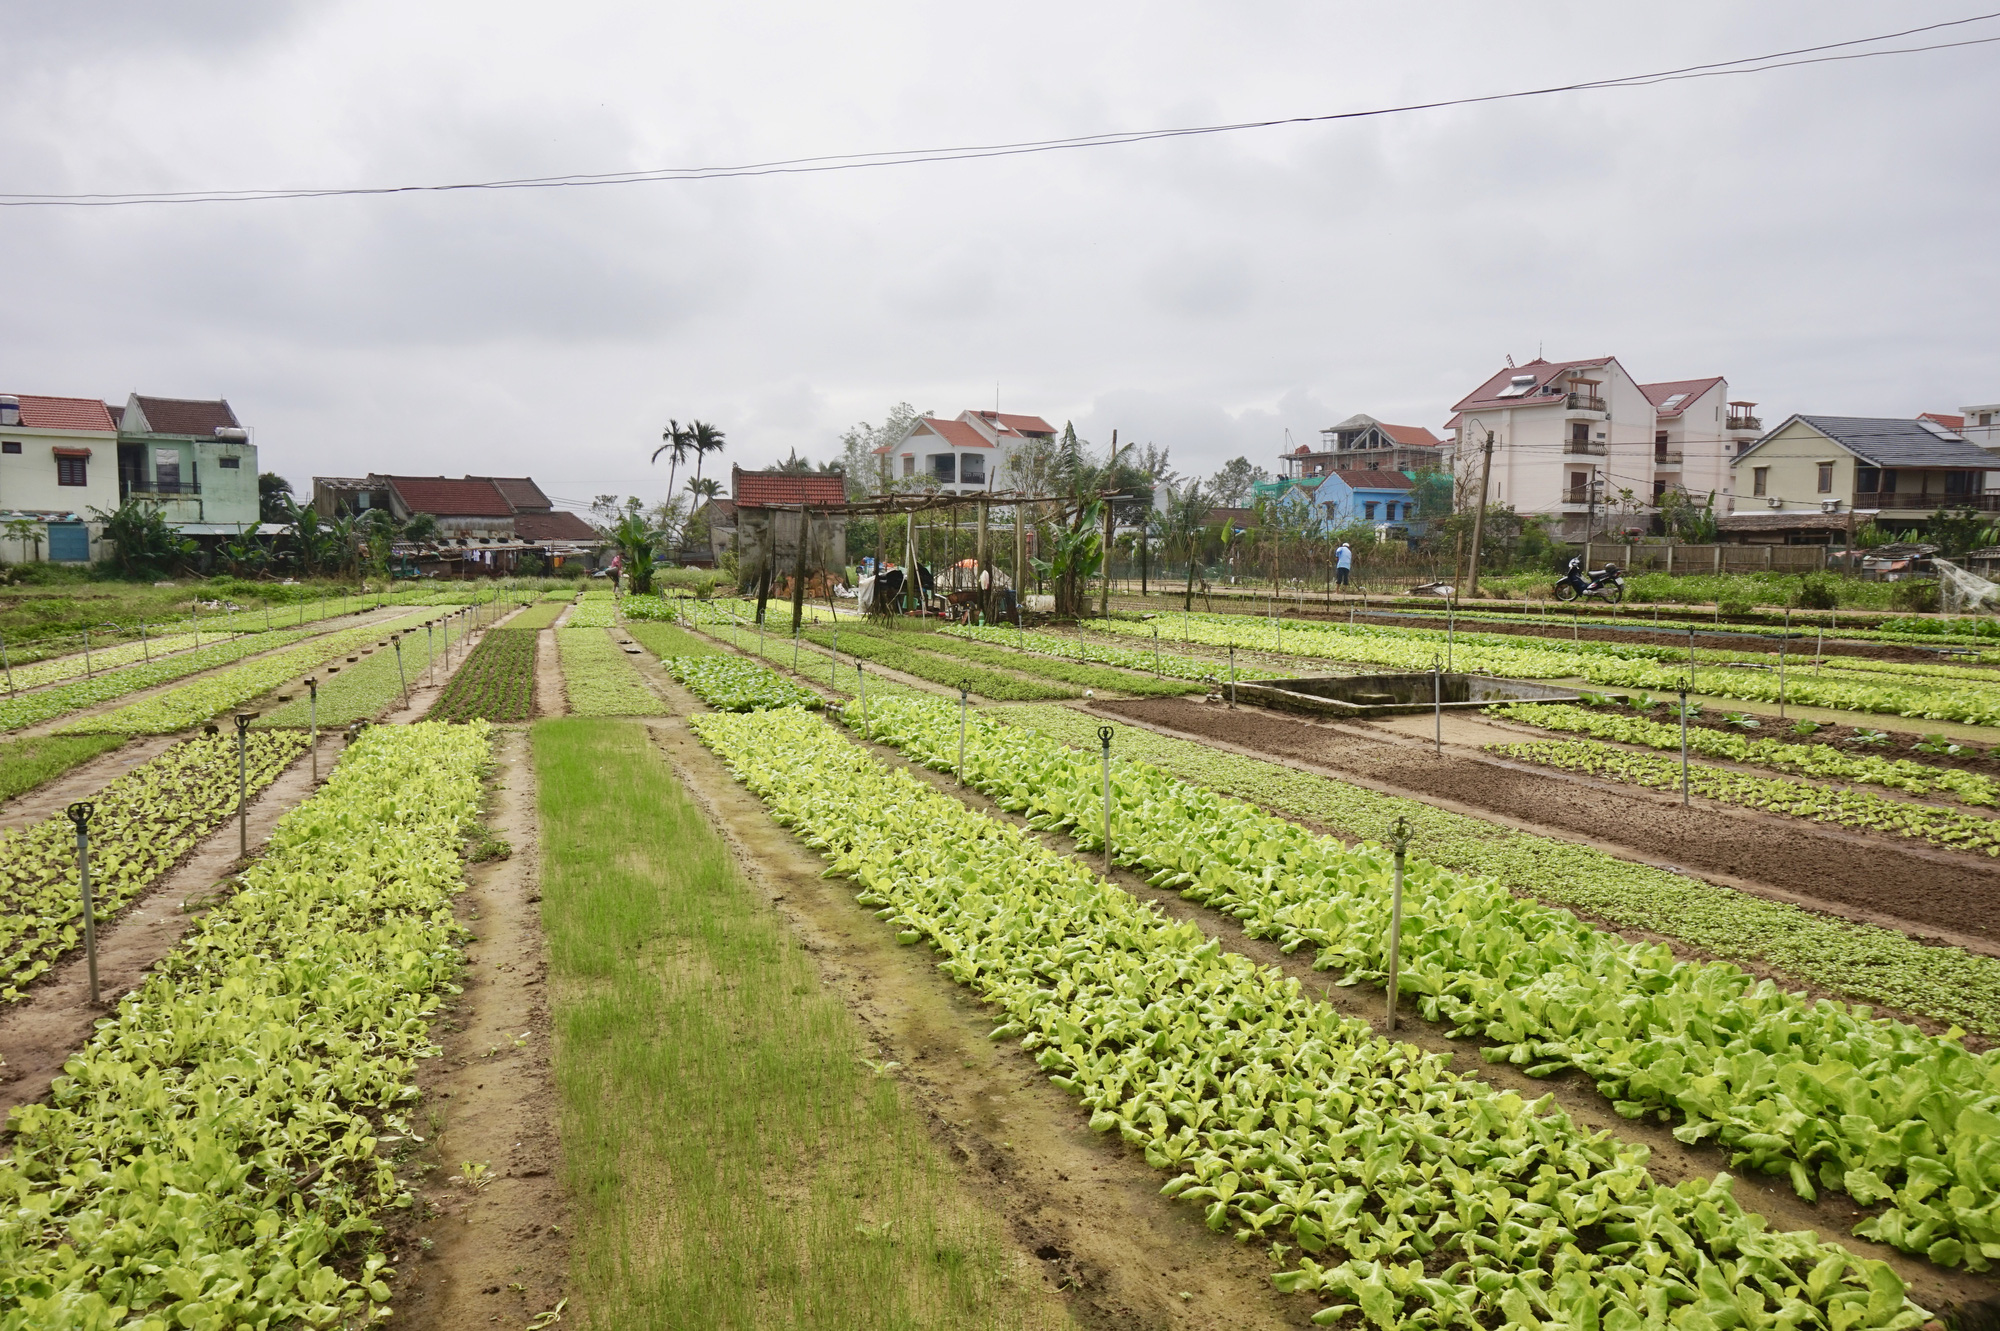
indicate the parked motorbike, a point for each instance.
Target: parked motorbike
{"x":1607,"y":584}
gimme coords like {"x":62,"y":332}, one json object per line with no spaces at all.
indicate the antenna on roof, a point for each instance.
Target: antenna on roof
{"x":1538,"y":348}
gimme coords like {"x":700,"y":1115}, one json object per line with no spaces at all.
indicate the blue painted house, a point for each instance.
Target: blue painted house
{"x":1378,"y":498}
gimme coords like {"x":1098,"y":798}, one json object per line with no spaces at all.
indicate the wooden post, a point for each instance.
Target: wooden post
{"x":1717,"y":550}
{"x":799,"y":567}
{"x":1670,"y":559}
{"x":983,"y":574}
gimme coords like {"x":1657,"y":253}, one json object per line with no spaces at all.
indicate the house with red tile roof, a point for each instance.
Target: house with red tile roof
{"x":1362,"y":443}
{"x":470,"y":510}
{"x":974,"y":451}
{"x":58,"y":461}
{"x":768,"y":511}
{"x":1591,"y":450}
{"x":193,"y":460}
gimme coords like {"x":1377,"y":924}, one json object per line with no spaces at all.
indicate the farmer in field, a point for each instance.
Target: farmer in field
{"x":1343,"y":563}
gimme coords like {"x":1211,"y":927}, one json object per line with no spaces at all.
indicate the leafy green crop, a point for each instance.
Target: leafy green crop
{"x":369,"y":687}
{"x":597,"y":610}
{"x":30,"y":708}
{"x":215,"y":1156}
{"x":1826,"y":804}
{"x":1616,"y":665}
{"x":541,"y":615}
{"x":1418,"y":1197}
{"x":495,"y":683}
{"x":1823,"y":1094}
{"x":145,"y":821}
{"x":600,"y":679}
{"x":1130,"y":658}
{"x":1817,"y":760}
{"x":1006,"y":658}
{"x":733,"y":684}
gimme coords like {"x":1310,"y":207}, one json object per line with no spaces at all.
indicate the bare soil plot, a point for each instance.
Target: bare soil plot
{"x":1930,"y":894}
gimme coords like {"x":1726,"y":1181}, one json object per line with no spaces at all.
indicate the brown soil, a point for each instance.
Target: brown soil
{"x":1671,"y":1161}
{"x":550,"y":700}
{"x":39,"y":1033}
{"x":473,"y":1254}
{"x":1077,"y":1204}
{"x":1878,"y":879}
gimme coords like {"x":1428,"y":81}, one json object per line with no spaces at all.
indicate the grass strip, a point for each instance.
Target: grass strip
{"x":217,"y":1154}
{"x":201,"y":699}
{"x":597,"y":610}
{"x":1953,"y":829}
{"x":665,"y":640}
{"x":28,"y":763}
{"x":1738,"y":1060}
{"x":733,"y":1160}
{"x":1419,"y":1197}
{"x":1815,"y":760}
{"x":540,"y":615}
{"x":144,"y":822}
{"x":600,"y":679}
{"x":1860,"y":961}
{"x":1081,"y":673}
{"x":495,"y":683}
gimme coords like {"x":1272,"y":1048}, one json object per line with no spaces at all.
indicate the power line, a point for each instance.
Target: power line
{"x":1759,"y":64}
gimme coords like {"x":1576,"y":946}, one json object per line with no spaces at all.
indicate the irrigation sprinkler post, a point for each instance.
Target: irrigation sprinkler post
{"x":833,"y":675}
{"x":795,"y":650}
{"x":1156,"y":651}
{"x":1684,"y":746}
{"x":1782,"y":641}
{"x":961,"y":734}
{"x":430,"y":642}
{"x":6,"y":665}
{"x":1819,"y":647}
{"x":396,"y":641}
{"x":86,"y":651}
{"x":1450,"y":628}
{"x":79,"y":813}
{"x":243,"y":720}
{"x":861,"y":679}
{"x":312,"y":722}
{"x":1400,"y":840}
{"x":1690,"y":679}
{"x":1437,"y":704}
{"x":1104,"y":738}
{"x":145,"y":648}
{"x":1232,"y":674}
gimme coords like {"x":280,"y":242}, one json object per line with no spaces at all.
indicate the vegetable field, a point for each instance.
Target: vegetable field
{"x":211,"y":1158}
{"x":496,"y":682}
{"x":601,"y":679}
{"x":144,"y":822}
{"x":1409,"y":1194}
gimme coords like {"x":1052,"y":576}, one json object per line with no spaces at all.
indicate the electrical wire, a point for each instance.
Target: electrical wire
{"x":1805,"y":55}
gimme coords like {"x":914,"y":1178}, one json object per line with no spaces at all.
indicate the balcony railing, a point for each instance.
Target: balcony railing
{"x":1585,"y":402}
{"x":1584,"y":447}
{"x":1931,"y":502}
{"x":166,"y":488}
{"x":1745,"y":423}
{"x":1666,"y":457}
{"x":1577,"y":494}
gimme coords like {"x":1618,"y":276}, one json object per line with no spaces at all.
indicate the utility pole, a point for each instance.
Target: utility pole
{"x":1479,"y":514}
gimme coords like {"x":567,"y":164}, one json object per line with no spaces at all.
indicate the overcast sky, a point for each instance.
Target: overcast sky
{"x":1825,"y":237}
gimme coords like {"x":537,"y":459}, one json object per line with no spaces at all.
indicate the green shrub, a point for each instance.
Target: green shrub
{"x":1734,"y":601}
{"x":1917,"y":597}
{"x":1817,"y":591}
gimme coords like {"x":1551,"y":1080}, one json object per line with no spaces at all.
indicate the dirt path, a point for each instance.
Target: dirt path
{"x":1086,"y":1209}
{"x":550,"y":700}
{"x":1933,"y":895}
{"x":39,"y":1033}
{"x":493,"y":1252}
{"x":1671,"y":1161}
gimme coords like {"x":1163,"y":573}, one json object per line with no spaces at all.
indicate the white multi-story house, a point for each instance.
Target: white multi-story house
{"x":1588,"y":447}
{"x":974,"y":451}
{"x":58,"y":461}
{"x":1978,"y":425}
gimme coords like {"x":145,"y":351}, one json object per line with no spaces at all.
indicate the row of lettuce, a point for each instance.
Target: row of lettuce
{"x":1412,"y":1195}
{"x":1824,"y":1094}
{"x":221,"y":1151}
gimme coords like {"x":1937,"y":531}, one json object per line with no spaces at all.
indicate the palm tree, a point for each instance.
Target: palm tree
{"x":704,"y":489}
{"x":1185,"y":523}
{"x":679,"y":440}
{"x":705,"y":439}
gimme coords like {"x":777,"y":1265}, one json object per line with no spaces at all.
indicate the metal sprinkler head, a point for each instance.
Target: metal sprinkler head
{"x":80,"y":813}
{"x":1104,"y":737}
{"x":243,"y":720}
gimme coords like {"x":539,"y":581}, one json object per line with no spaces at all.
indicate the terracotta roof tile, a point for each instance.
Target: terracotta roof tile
{"x":957,"y":433}
{"x":521,"y":492}
{"x":179,"y":415}
{"x":1543,"y":370}
{"x":1414,"y":436}
{"x":757,"y":488}
{"x":553,"y":527}
{"x":1689,"y":389}
{"x":64,"y":413}
{"x":1952,"y":423}
{"x":1020,"y":424}
{"x":1375,"y":480}
{"x":442,"y":497}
